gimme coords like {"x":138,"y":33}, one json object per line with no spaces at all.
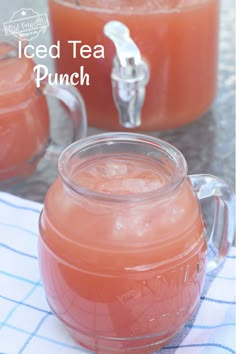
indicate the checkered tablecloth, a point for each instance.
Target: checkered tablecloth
{"x":27,"y":325}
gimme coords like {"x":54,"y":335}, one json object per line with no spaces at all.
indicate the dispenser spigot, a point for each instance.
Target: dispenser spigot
{"x":130,"y":75}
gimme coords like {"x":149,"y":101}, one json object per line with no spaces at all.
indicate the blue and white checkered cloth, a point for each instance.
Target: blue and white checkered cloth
{"x":27,"y":325}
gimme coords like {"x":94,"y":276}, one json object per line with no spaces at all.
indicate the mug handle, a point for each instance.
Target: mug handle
{"x":73,"y":100}
{"x":222,"y":233}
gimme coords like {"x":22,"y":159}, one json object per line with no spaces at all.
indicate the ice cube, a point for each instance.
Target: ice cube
{"x":131,"y":225}
{"x":138,"y":185}
{"x":119,"y":228}
{"x":109,"y":169}
{"x":128,"y":186}
{"x":175,"y":214}
{"x":112,"y":169}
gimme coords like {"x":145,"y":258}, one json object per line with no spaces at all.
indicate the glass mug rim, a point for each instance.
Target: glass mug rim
{"x":173,"y":154}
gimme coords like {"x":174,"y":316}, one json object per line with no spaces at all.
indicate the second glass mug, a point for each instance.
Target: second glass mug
{"x":24,"y":117}
{"x":123,"y":250}
{"x":161,"y":75}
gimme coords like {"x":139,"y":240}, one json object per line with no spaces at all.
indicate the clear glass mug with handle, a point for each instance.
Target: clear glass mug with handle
{"x":123,"y":248}
{"x":24,"y":117}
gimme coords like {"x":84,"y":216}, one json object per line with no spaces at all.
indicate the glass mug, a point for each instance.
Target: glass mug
{"x":122,"y":247}
{"x":160,"y":77}
{"x":24,"y":117}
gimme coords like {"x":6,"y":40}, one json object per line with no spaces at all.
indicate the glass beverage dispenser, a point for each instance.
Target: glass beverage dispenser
{"x":159,"y":70}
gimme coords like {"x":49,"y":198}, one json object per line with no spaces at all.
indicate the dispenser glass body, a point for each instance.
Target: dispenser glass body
{"x":177,"y":39}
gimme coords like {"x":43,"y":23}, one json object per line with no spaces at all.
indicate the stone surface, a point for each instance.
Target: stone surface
{"x":207,"y":144}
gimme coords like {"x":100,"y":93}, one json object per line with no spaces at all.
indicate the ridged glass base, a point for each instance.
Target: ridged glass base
{"x":102,"y":345}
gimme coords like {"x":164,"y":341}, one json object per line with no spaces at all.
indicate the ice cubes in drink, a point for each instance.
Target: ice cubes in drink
{"x":121,"y":176}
